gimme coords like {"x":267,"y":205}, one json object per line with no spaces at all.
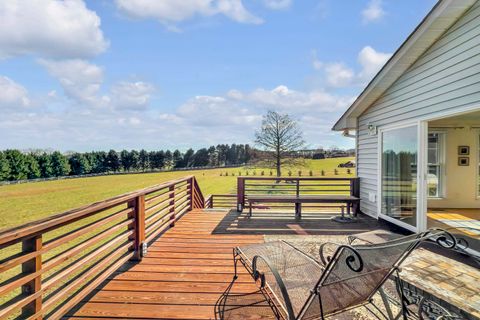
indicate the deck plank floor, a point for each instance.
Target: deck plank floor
{"x":188,"y":267}
{"x":184,"y":274}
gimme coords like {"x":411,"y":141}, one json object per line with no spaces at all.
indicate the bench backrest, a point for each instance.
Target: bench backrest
{"x":248,"y":186}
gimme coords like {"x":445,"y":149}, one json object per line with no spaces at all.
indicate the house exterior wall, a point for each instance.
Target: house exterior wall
{"x":446,"y":77}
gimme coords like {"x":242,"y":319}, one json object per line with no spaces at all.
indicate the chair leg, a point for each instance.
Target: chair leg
{"x":378,"y":311}
{"x":386,"y":303}
{"x":298,"y":210}
{"x":235,"y":261}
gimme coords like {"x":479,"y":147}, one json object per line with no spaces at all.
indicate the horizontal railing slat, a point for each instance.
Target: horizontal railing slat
{"x":51,"y":301}
{"x":49,"y":245}
{"x":70,"y":253}
{"x":81,"y":262}
{"x":91,"y":286}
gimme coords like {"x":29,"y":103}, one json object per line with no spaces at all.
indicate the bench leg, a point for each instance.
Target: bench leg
{"x":298,"y":210}
{"x":250,"y":209}
{"x":348,"y":208}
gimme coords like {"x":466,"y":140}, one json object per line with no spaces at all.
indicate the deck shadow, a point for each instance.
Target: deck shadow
{"x":272,"y":222}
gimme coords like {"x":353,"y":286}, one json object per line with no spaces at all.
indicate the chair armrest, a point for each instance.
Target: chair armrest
{"x":353,"y":238}
{"x":283,"y":289}
{"x":323,"y":255}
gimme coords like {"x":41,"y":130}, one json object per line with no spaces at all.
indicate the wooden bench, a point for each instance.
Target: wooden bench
{"x":350,"y":201}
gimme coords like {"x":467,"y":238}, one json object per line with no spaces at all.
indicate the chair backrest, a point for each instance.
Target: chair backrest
{"x":355,"y":273}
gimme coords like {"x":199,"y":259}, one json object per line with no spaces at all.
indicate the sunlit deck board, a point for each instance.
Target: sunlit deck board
{"x":182,"y":277}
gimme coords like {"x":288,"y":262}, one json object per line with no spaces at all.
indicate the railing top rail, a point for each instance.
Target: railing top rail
{"x":298,"y":178}
{"x":30,"y":229}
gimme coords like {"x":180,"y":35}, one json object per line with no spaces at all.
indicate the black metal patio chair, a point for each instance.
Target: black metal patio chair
{"x":298,"y":286}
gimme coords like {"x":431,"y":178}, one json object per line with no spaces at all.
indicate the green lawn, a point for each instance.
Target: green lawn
{"x":31,"y":201}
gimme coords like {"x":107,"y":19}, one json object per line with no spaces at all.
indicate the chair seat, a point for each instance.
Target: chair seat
{"x":298,"y":271}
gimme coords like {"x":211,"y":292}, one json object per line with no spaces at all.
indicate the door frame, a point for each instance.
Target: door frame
{"x":420,"y":173}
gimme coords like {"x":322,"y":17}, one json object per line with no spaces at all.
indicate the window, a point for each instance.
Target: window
{"x":478,"y":166}
{"x":435,"y":165}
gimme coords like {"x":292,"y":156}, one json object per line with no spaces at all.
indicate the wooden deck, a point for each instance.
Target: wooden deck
{"x":182,"y":277}
{"x":188,"y":267}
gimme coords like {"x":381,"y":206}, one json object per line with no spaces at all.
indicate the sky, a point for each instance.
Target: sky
{"x":130,"y":74}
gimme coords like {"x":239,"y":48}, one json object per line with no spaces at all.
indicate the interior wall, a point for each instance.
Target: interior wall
{"x":460,"y":184}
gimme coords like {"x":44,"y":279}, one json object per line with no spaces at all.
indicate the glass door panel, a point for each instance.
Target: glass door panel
{"x":399,"y":174}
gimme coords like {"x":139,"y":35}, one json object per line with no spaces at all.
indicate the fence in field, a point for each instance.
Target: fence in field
{"x":89,"y":175}
{"x":49,"y":266}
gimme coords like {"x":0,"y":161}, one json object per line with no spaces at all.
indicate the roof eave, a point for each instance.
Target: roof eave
{"x":404,"y":57}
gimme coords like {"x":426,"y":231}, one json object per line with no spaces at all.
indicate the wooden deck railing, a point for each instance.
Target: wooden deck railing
{"x":294,"y":186}
{"x":48,"y":266}
{"x":221,"y":201}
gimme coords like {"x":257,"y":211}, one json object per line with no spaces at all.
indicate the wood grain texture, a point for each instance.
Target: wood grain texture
{"x":182,"y":276}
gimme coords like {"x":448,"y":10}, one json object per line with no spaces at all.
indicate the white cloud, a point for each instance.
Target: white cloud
{"x":131,"y":95}
{"x":82,"y":83}
{"x":201,"y":120}
{"x":284,"y":99}
{"x":371,"y":61}
{"x":48,"y":28}
{"x":373,"y":11}
{"x":277,"y":4}
{"x":80,"y":79}
{"x":13,"y":96}
{"x":338,"y":74}
{"x":173,"y":11}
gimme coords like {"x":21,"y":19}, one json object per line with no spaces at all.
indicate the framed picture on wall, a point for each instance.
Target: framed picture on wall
{"x":463,"y":150}
{"x":463,"y":161}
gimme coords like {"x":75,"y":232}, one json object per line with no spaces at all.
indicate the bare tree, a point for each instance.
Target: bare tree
{"x":281,"y":136}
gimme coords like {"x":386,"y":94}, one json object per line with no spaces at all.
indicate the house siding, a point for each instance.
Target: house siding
{"x":445,"y":77}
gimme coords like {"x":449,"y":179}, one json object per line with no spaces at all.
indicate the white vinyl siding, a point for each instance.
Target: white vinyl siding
{"x":444,"y":78}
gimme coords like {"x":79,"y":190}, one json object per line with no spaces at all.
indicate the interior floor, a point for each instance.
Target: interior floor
{"x":464,"y":220}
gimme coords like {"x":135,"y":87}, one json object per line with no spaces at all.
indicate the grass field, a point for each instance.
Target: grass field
{"x":31,"y":201}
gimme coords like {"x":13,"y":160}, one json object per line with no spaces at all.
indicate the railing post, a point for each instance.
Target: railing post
{"x":297,"y":191}
{"x":355,"y":187}
{"x":355,"y":192}
{"x":240,"y":194}
{"x":138,"y":226}
{"x":35,"y":285}
{"x":172,"y":205}
{"x":191,"y":182}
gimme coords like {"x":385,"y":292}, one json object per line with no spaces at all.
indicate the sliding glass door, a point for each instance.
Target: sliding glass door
{"x":398,"y":178}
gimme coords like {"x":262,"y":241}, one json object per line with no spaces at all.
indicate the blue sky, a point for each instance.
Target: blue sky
{"x":152,"y":74}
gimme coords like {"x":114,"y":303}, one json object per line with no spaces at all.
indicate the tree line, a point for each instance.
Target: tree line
{"x":18,"y":165}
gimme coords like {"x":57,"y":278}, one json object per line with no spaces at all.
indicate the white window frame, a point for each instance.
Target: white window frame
{"x":478,"y":162}
{"x":442,"y":134}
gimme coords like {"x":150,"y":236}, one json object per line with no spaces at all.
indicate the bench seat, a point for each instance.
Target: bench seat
{"x":350,"y":201}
